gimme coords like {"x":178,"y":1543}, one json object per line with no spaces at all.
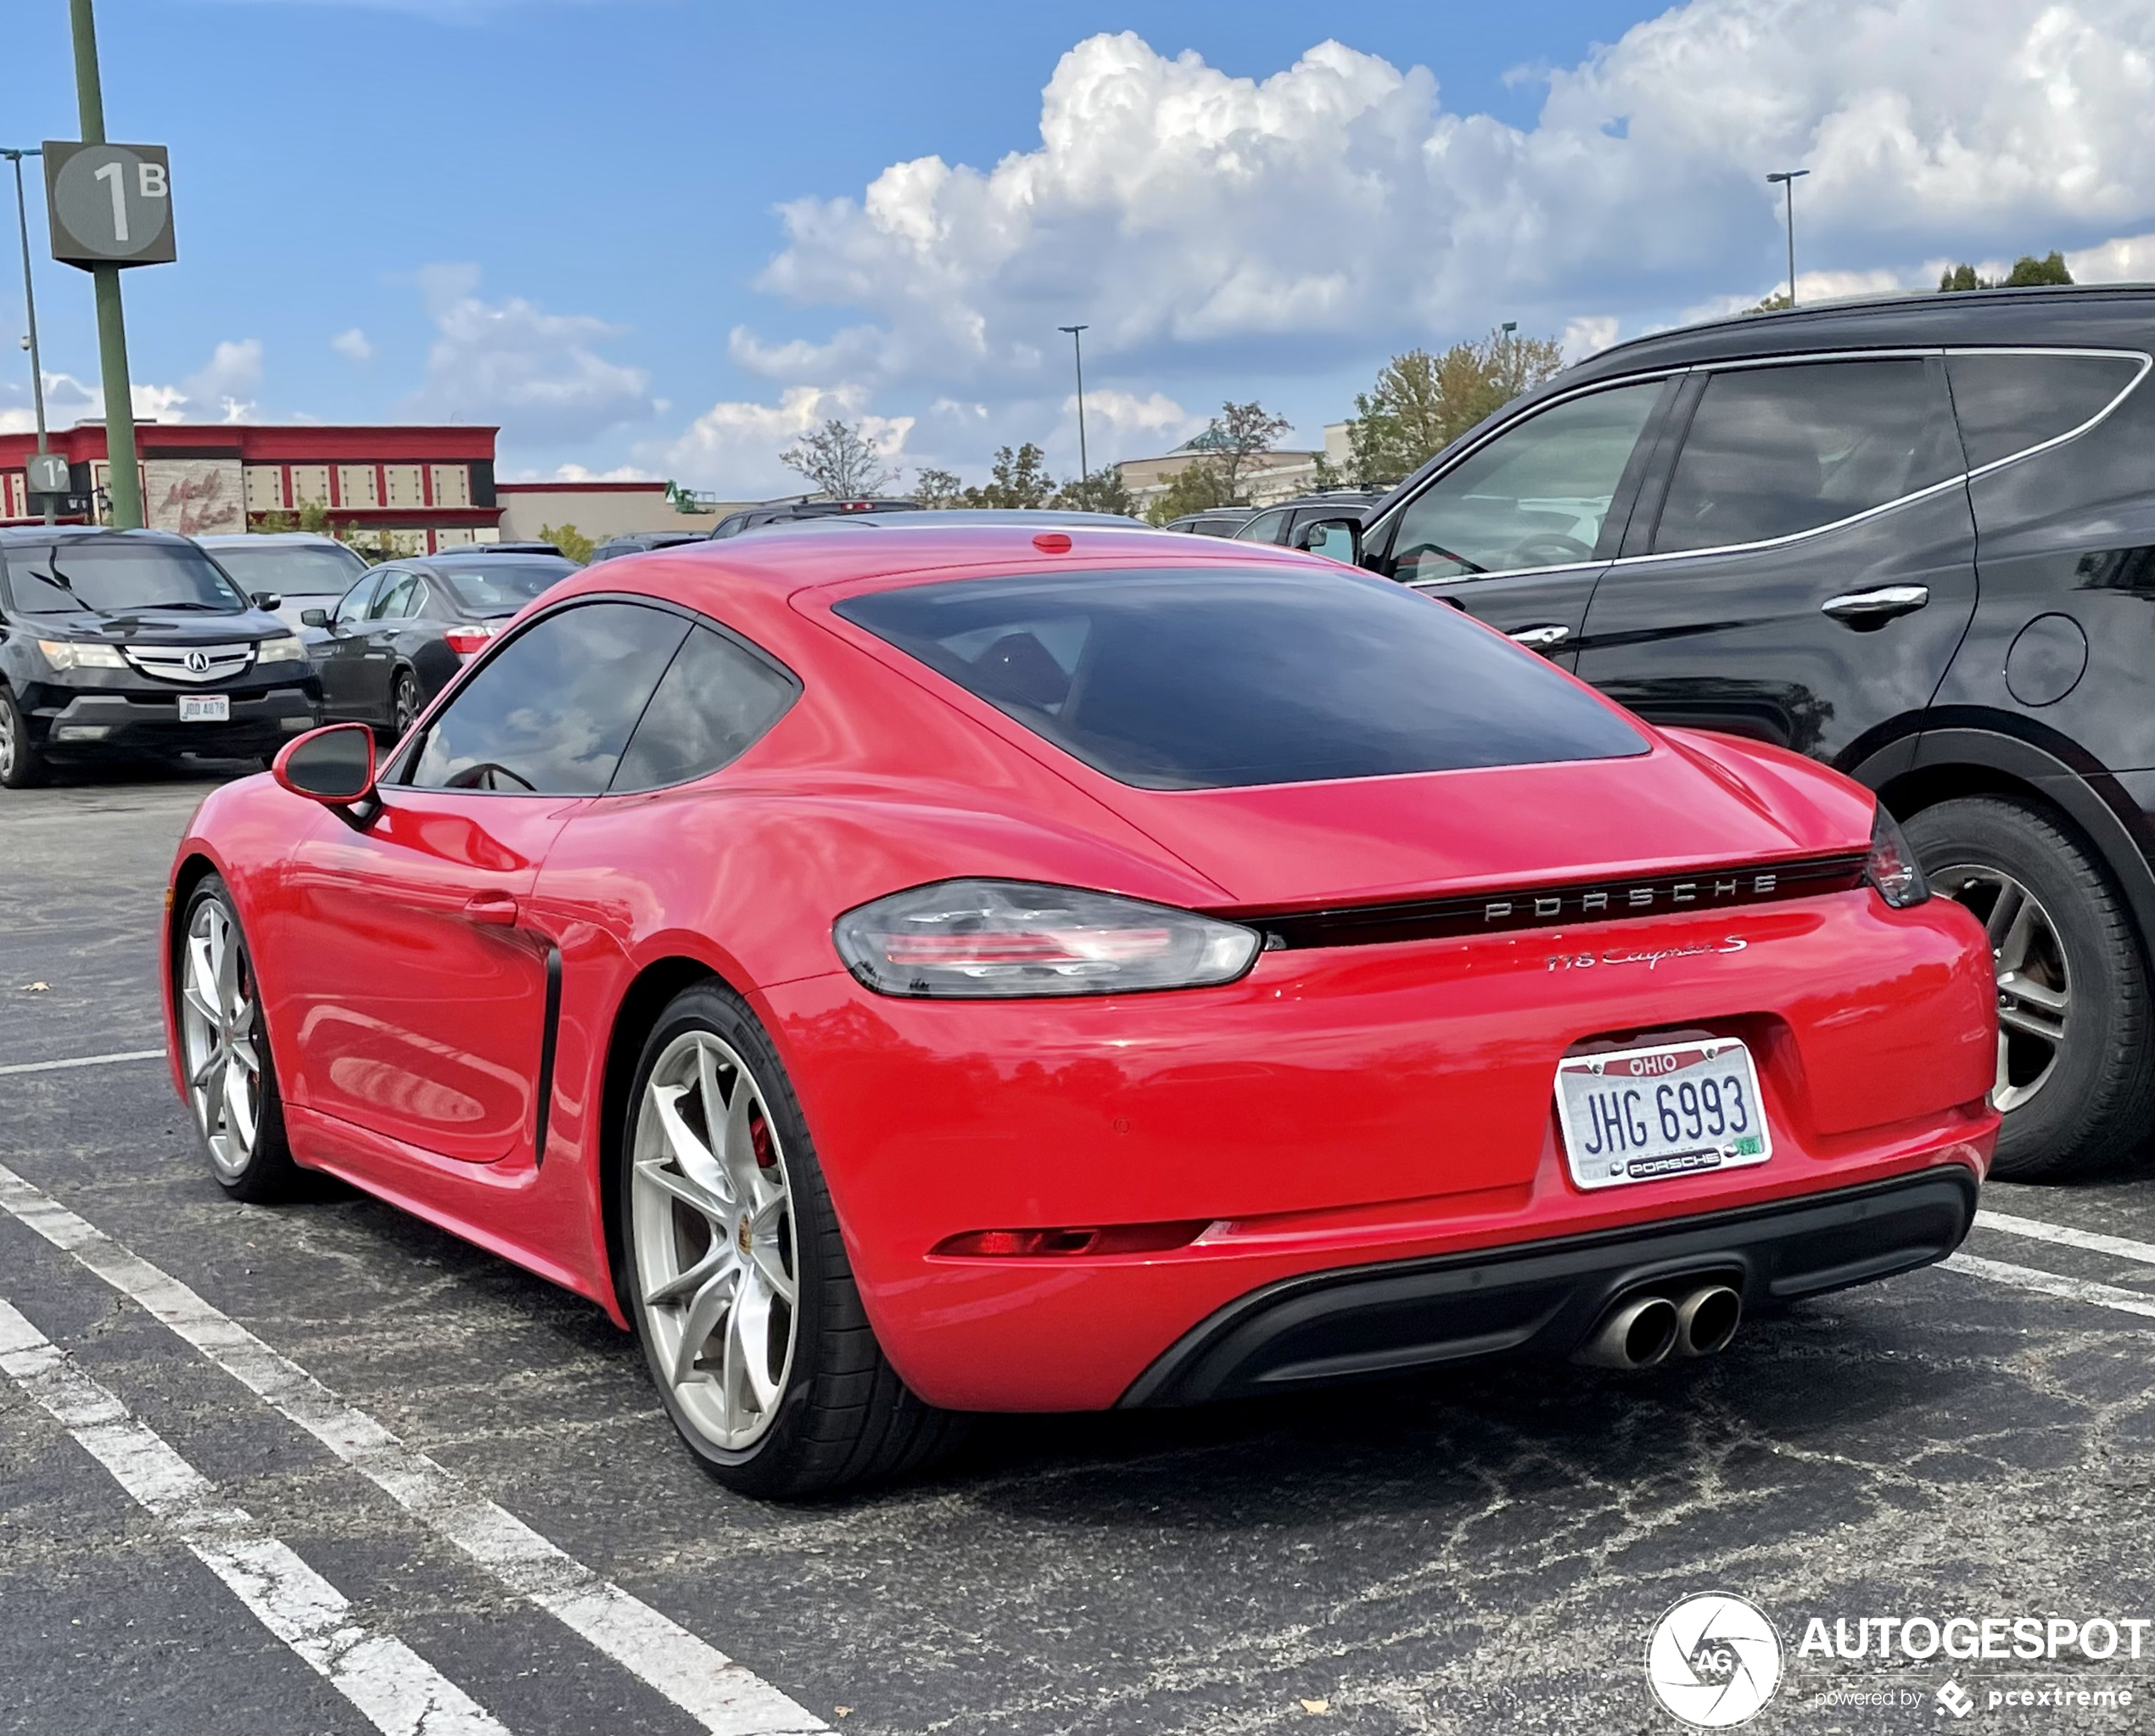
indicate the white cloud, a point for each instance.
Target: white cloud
{"x":220,"y":390}
{"x":352,"y":345}
{"x":1588,"y":334}
{"x":1196,"y":219}
{"x":537,"y":374}
{"x":734,"y":446}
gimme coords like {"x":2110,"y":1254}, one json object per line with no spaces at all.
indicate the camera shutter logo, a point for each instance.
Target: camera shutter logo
{"x":1713,"y":1661}
{"x":198,"y":663}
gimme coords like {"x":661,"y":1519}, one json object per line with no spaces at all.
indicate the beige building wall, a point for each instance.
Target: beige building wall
{"x":1271,"y":476}
{"x":597,"y":512}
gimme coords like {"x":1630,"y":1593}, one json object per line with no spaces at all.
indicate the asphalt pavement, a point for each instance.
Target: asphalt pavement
{"x":320,"y":1468}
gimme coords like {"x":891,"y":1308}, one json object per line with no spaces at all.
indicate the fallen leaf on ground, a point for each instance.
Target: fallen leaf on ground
{"x":1315,"y":1706}
{"x":35,"y":987}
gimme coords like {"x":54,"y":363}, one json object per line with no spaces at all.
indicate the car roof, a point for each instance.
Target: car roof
{"x":76,"y":533}
{"x":923,"y":519}
{"x":272,"y":539}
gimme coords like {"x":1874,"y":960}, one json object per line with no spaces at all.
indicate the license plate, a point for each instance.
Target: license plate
{"x":205,"y":707}
{"x":1672,"y":1109}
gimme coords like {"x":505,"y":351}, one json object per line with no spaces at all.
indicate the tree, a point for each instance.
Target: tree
{"x":1197,"y":488}
{"x":1016,"y":479}
{"x":1240,"y":433}
{"x":1103,"y":491}
{"x":839,"y":460}
{"x":939,"y":487}
{"x":569,"y":540}
{"x":2027,"y":271}
{"x":1421,"y":403}
{"x":271,"y":523}
{"x":1775,"y":303}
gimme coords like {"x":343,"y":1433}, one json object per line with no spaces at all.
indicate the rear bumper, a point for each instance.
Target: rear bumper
{"x":1545,"y":1298}
{"x":91,"y":723}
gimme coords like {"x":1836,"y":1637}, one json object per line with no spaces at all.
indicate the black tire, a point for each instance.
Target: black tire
{"x":2095,"y":1106}
{"x":842,"y":1416}
{"x":263,"y":1173}
{"x":404,"y":704}
{"x":22,"y":763}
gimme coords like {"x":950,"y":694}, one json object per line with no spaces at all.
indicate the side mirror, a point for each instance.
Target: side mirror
{"x":1336,"y":538}
{"x":334,"y":766}
{"x":313,"y":618}
{"x":268,"y":600}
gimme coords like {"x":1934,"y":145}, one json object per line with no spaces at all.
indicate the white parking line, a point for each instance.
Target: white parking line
{"x":401,"y":1693}
{"x":2039,"y":1229}
{"x":53,"y":1066}
{"x":2079,"y":1290}
{"x":726,"y":1698}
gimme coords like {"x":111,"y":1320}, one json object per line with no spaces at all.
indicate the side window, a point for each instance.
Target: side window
{"x":551,"y":712}
{"x":2008,"y":403}
{"x":395,"y":593}
{"x":1266,"y":527}
{"x":422,"y":604}
{"x":1536,"y":495}
{"x":715,"y":703}
{"x":1774,"y":451}
{"x":354,"y":605}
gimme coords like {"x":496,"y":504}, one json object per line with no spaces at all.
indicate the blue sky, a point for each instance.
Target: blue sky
{"x":641,"y":235}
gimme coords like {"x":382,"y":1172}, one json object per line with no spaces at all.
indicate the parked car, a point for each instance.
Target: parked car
{"x":1219,"y":521}
{"x":777,"y":511}
{"x":305,"y":570}
{"x":946,"y":517}
{"x":1914,"y":539}
{"x":395,"y":638}
{"x":988,"y":968}
{"x":1283,"y":523}
{"x":641,"y":542}
{"x":135,"y":643}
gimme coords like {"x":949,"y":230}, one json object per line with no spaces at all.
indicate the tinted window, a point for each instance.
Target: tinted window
{"x":1266,"y":527}
{"x":113,"y":574}
{"x":2007,"y":404}
{"x":505,"y":584}
{"x":354,"y":607}
{"x":1185,"y":681}
{"x":1536,"y":495}
{"x":296,"y":569}
{"x":1774,"y":451}
{"x":716,"y":700}
{"x":551,"y":711}
{"x":395,"y":598}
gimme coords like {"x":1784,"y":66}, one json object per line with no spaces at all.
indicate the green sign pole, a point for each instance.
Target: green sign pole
{"x":125,"y":484}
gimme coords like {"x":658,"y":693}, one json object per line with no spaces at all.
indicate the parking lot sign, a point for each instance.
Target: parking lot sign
{"x":110,"y":204}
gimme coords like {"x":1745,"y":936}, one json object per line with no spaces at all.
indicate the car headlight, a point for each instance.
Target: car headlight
{"x":999,"y":939}
{"x":1893,"y":868}
{"x":286,"y":649}
{"x":75,"y":654}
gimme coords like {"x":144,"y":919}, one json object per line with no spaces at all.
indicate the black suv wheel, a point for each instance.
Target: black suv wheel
{"x":21,"y":764}
{"x":2076,"y":1051}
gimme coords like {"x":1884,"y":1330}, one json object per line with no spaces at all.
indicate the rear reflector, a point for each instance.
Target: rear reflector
{"x":1091,"y":1239}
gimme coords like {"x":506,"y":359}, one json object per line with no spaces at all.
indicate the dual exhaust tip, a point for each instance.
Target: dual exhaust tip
{"x":1643,"y":1330}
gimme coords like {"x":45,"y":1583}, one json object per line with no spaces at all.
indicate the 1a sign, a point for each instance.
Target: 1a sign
{"x":110,"y":204}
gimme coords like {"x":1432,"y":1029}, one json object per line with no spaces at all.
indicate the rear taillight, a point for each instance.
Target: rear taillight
{"x":1892,"y":866}
{"x":468,"y":642}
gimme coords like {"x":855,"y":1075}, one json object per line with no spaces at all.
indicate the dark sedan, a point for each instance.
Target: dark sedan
{"x":404,"y":629}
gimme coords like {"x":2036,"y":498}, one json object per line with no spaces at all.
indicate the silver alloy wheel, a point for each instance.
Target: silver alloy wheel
{"x":404,"y":709}
{"x":716,"y":1273}
{"x":2035,"y":984}
{"x":7,"y":742}
{"x":224,"y":1071}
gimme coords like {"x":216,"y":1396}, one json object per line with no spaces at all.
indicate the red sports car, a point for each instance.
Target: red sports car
{"x":914,"y":968}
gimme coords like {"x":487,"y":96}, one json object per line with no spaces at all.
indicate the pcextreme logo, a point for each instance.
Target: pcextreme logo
{"x":1713,"y":1659}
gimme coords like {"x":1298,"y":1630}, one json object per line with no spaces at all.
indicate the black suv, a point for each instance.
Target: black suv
{"x":1914,"y":539}
{"x":135,"y":642}
{"x":784,"y":511}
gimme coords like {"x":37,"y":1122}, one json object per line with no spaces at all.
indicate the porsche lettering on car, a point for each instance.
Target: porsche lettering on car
{"x":967,"y":968}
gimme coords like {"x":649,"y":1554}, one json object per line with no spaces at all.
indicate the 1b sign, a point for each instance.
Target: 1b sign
{"x":110,"y":204}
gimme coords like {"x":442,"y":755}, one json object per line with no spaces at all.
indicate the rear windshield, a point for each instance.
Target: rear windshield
{"x":114,"y":575}
{"x":505,"y":584}
{"x":291,"y":569}
{"x":1189,"y":681}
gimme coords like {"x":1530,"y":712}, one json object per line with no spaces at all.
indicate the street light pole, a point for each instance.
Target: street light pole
{"x":126,"y":479}
{"x":1786,"y":179}
{"x":1078,"y":349}
{"x":29,"y":308}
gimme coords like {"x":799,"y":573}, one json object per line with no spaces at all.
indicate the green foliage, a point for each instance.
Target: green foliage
{"x":272,"y":523}
{"x":569,"y":540}
{"x":1774,"y":303}
{"x":2027,"y":271}
{"x":1103,"y":491}
{"x":1016,"y":479}
{"x":1240,"y":433}
{"x":939,"y":487}
{"x":1198,"y":488}
{"x":1421,"y":402}
{"x":314,"y":516}
{"x":839,"y":460}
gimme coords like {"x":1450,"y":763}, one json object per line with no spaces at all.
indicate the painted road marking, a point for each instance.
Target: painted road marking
{"x":726,"y":1698}
{"x":2079,"y":1290}
{"x":53,"y":1066}
{"x":2039,"y":1229}
{"x":401,"y":1693}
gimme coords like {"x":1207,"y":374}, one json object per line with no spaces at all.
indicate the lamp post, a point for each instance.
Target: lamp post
{"x":1078,"y":350}
{"x":1786,"y":179}
{"x":30,"y":309}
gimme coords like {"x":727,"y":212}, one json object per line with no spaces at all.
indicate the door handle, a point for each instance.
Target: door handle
{"x":1866,"y":608}
{"x":1546,"y":638}
{"x":497,"y":909}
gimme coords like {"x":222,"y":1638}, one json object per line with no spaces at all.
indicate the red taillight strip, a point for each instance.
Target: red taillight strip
{"x":1561,"y":906}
